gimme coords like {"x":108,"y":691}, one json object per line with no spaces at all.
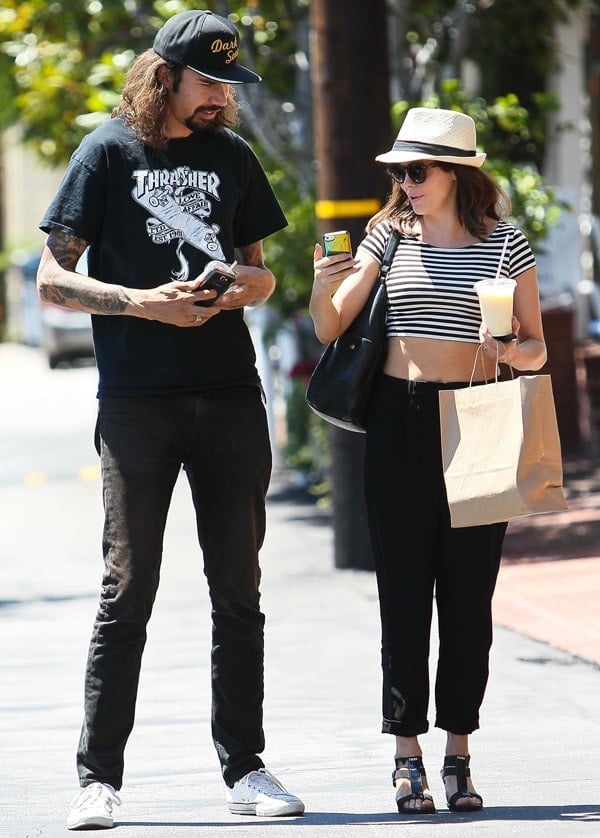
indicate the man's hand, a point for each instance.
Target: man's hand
{"x":173,"y":303}
{"x":254,"y":282}
{"x":251,"y":287}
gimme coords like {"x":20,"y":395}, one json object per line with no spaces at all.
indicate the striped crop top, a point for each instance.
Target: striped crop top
{"x":430,"y":289}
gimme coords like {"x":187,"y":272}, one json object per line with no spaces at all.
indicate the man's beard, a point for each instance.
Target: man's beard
{"x":199,"y":125}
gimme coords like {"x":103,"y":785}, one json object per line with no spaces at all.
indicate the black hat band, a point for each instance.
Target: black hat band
{"x":430,"y":148}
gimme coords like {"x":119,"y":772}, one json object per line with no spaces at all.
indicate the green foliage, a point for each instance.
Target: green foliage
{"x":511,"y":44}
{"x":307,"y":444}
{"x":269,"y":40}
{"x":69,"y":59}
{"x":65,"y":60}
{"x":505,"y":32}
{"x":8,"y":91}
{"x":289,"y":253}
{"x":499,"y":33}
{"x":501,"y":126}
{"x":62,"y":67}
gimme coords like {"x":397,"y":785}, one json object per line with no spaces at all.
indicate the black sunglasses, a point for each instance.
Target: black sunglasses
{"x":417,"y":172}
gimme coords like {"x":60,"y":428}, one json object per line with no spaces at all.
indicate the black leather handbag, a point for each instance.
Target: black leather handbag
{"x":340,"y":386}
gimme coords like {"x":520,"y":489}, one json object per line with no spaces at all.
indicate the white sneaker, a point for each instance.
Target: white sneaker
{"x":260,"y":793}
{"x":92,"y":807}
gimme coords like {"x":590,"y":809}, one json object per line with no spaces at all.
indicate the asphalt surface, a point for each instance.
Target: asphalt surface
{"x":536,"y":759}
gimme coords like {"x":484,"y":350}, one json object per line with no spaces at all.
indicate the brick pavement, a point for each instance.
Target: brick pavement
{"x":549,"y":584}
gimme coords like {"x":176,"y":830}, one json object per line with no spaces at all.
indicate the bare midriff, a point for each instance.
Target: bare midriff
{"x":425,"y":359}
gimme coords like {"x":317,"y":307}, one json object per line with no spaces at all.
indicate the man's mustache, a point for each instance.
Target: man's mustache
{"x":205,"y":109}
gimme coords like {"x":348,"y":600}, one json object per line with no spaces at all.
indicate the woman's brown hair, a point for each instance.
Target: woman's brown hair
{"x":144,"y":101}
{"x":478,"y":197}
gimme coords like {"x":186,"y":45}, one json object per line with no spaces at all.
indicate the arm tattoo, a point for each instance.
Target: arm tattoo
{"x":251,"y":255}
{"x":60,"y":283}
{"x":262,"y":282}
{"x":65,"y":248}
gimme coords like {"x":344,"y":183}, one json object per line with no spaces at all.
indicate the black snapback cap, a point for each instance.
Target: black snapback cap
{"x":206,"y":43}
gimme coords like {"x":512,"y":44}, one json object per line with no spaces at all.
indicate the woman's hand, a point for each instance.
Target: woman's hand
{"x":331,"y":271}
{"x":504,"y":353}
{"x":332,"y":312}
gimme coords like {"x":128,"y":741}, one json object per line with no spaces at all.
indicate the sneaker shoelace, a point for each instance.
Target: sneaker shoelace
{"x":262,"y":780}
{"x":97,"y":792}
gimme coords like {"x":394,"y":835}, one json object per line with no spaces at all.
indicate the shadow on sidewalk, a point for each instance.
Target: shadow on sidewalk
{"x":516,"y":814}
{"x":285,"y":489}
{"x":9,"y":603}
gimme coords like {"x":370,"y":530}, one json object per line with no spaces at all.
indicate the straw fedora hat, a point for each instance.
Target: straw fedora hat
{"x":435,"y":134}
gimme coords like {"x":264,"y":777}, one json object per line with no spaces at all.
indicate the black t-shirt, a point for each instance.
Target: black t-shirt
{"x":151,"y":217}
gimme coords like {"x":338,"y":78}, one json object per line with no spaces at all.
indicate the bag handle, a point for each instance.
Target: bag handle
{"x":479,"y":354}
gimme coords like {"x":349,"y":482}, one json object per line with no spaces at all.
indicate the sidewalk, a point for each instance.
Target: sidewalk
{"x":536,"y":759}
{"x":549,"y":584}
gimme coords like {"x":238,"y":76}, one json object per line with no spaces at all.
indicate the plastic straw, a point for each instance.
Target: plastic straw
{"x":497,"y":277}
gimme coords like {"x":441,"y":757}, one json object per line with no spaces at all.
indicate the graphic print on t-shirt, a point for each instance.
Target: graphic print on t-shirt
{"x":179,"y":200}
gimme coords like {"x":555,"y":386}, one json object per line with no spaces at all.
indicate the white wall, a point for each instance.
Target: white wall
{"x":563,"y":269}
{"x":28,"y":189}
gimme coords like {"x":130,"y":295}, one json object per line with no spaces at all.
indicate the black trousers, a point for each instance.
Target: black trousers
{"x":416,"y":554}
{"x":220,"y":437}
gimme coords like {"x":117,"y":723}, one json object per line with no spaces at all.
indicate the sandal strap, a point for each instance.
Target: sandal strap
{"x":458,"y":766}
{"x":412,"y":769}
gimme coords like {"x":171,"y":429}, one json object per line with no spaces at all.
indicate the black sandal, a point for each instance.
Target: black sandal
{"x":457,"y":766}
{"x":411,"y":768}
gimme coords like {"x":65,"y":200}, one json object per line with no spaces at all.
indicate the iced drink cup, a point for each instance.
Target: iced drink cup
{"x":496,"y":304}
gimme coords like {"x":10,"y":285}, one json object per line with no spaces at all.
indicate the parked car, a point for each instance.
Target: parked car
{"x":66,"y":334}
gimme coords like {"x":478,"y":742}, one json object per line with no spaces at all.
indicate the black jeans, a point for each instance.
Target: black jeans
{"x":416,"y":551}
{"x":220,"y":436}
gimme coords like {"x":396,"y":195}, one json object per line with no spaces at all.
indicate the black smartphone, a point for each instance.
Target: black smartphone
{"x":336,"y":243}
{"x":216,"y":276}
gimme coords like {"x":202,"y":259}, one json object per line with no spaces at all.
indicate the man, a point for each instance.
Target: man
{"x":156,"y":193}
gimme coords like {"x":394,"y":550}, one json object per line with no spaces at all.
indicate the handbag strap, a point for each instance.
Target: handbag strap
{"x":388,"y":254}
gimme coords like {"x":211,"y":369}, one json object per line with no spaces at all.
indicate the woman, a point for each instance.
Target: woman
{"x":449,"y":215}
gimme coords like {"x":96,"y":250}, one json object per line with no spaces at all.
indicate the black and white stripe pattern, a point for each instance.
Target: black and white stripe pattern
{"x":430,"y":289}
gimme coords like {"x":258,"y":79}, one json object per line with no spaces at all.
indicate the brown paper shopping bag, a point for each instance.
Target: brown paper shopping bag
{"x":501,"y":451}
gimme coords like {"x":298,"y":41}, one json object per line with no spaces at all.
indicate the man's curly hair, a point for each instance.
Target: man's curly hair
{"x":144,"y":102}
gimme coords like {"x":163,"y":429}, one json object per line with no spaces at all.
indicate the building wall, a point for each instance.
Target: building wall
{"x":28,"y":189}
{"x":562,"y":270}
{"x":562,"y":267}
